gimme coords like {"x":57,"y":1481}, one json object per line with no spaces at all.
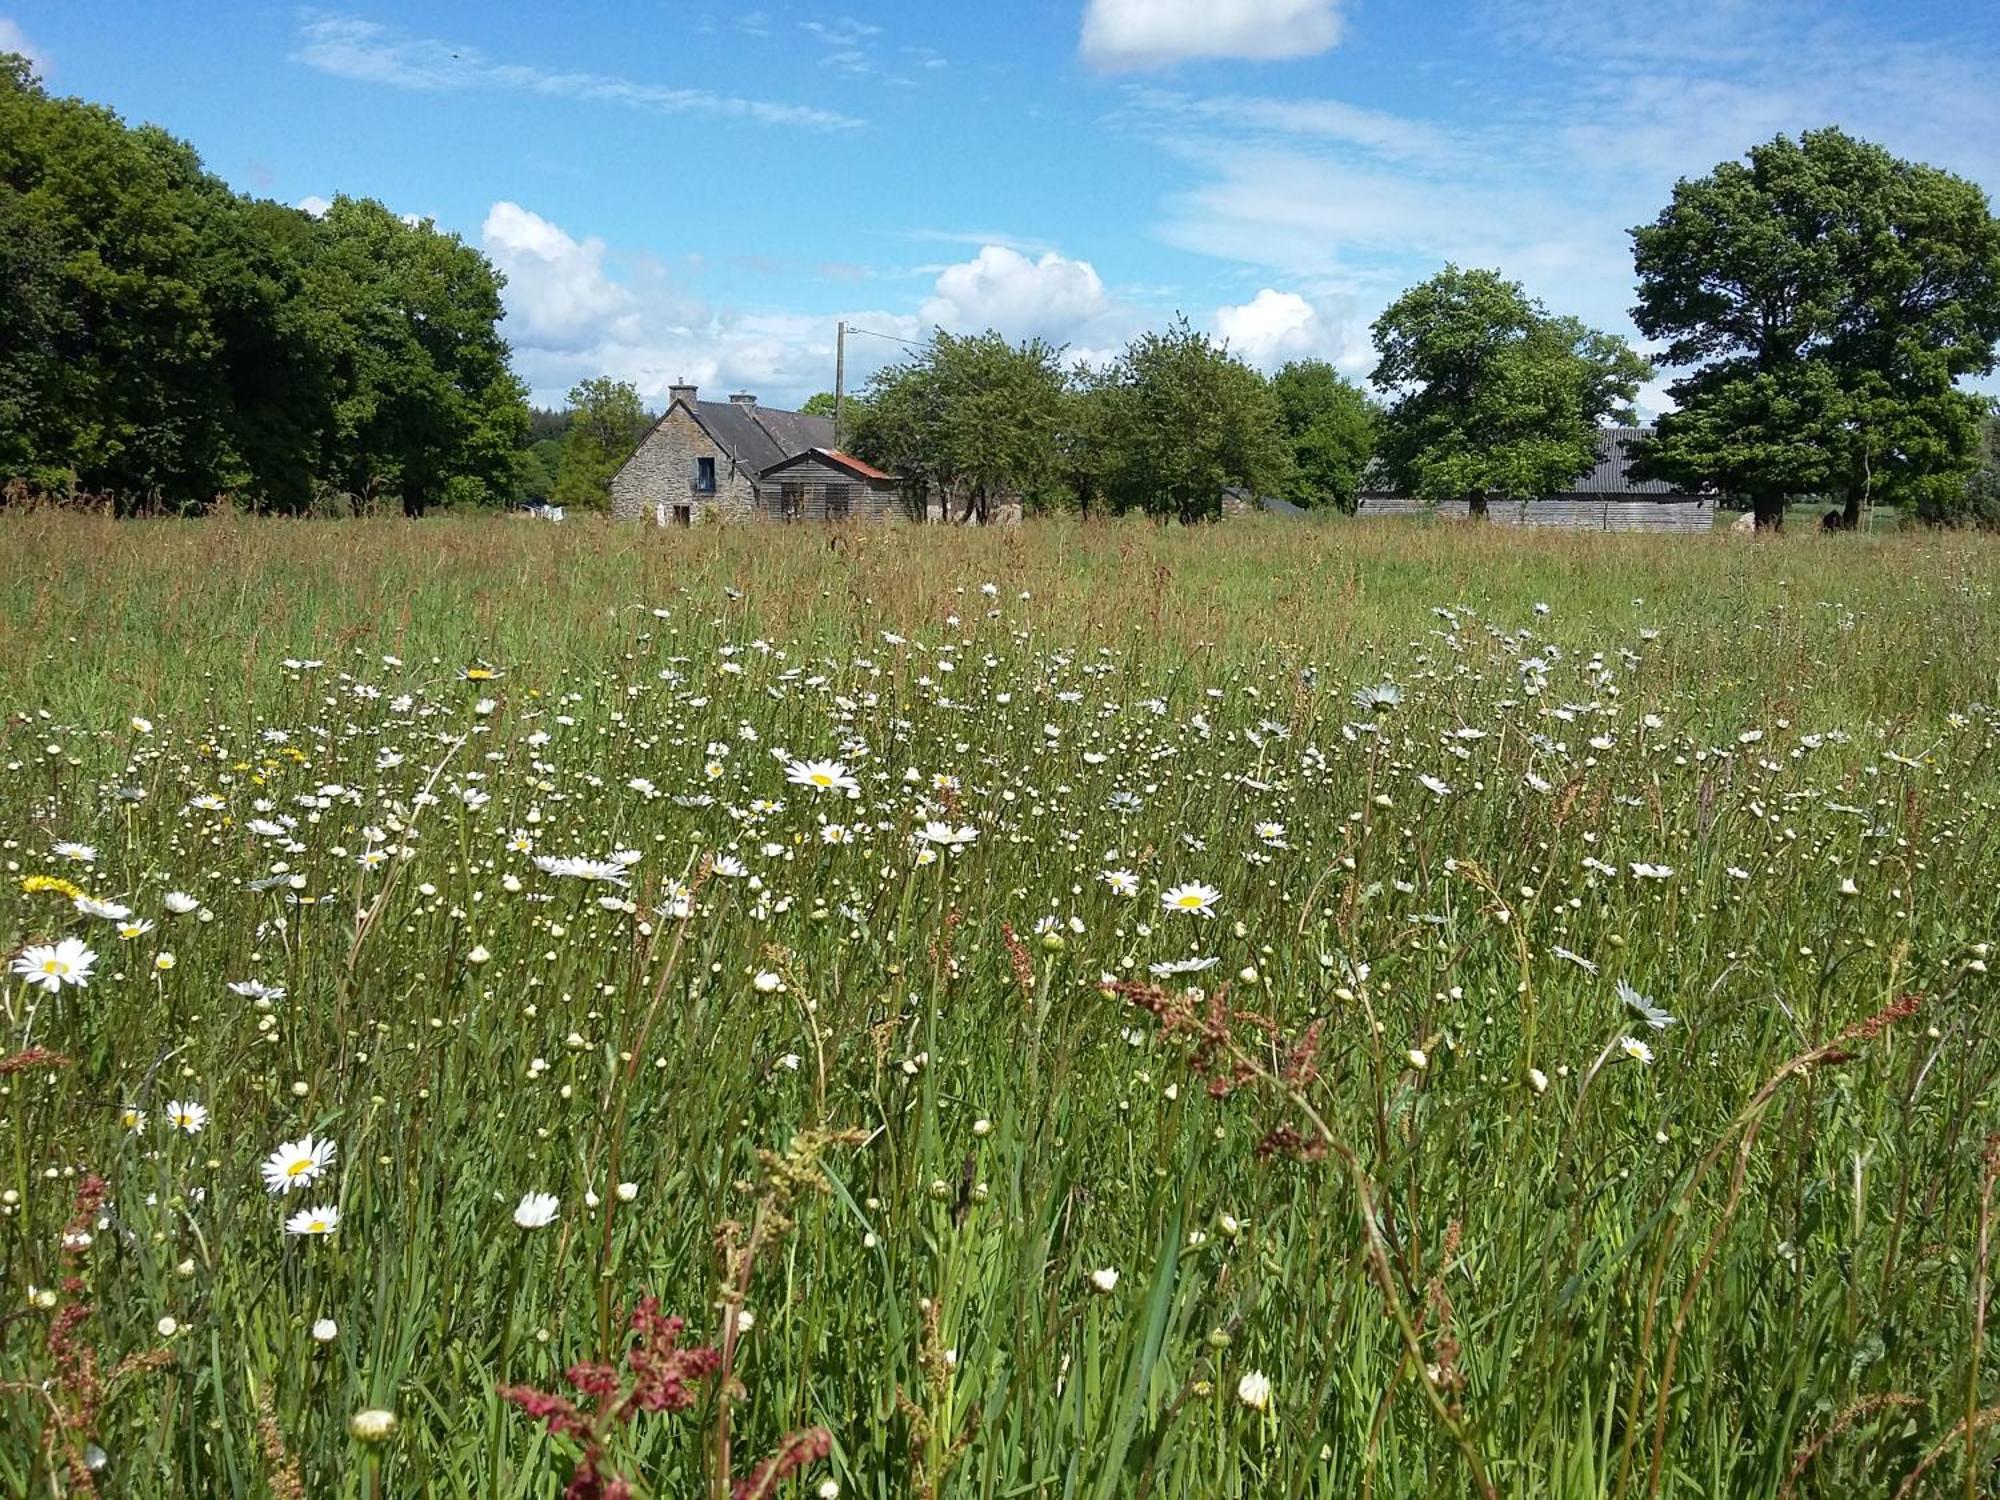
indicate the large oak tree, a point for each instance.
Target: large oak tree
{"x":1825,"y":297}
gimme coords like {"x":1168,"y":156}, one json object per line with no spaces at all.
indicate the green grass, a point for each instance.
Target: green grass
{"x":1764,"y":1252}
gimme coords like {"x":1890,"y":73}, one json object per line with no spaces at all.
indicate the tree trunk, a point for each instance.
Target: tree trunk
{"x":1769,"y":510}
{"x":1850,"y":515}
{"x":1476,"y":506}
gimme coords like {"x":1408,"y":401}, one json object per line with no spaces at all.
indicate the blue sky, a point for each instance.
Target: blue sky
{"x":689,"y":188}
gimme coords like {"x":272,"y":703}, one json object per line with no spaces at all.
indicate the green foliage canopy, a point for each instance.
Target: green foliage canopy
{"x":164,"y":340}
{"x":1495,"y":395}
{"x":1181,"y":420}
{"x":972,"y":417}
{"x":606,"y":423}
{"x":1331,"y":425}
{"x":1826,"y":297}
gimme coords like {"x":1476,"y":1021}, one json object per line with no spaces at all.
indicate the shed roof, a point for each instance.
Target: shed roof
{"x":1614,"y":452}
{"x":857,"y":467}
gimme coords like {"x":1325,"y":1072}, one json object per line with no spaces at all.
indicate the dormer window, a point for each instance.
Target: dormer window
{"x":704,"y":476}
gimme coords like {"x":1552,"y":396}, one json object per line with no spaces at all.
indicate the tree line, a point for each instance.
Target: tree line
{"x":1823,"y":300}
{"x":164,"y":341}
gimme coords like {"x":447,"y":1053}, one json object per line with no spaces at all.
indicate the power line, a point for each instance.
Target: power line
{"x":891,"y":337}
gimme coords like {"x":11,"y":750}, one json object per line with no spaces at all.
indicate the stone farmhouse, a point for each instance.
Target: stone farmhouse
{"x":1605,"y":499}
{"x":737,"y":461}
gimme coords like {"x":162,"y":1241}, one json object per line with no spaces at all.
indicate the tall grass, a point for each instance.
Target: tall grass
{"x":1395,"y":1207}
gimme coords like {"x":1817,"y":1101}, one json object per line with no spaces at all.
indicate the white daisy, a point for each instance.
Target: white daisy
{"x":53,"y":965}
{"x":535,"y":1210}
{"x":185,"y":1114}
{"x":1194,"y":898}
{"x":824,"y":775}
{"x":322,"y":1220}
{"x":297,"y":1164}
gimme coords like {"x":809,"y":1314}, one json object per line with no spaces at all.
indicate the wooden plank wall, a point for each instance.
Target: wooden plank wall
{"x":1572,"y":513}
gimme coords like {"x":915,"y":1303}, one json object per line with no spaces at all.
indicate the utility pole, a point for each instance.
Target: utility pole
{"x":839,"y":378}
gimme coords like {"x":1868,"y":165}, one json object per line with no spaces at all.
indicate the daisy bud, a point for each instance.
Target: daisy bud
{"x":372,"y":1426}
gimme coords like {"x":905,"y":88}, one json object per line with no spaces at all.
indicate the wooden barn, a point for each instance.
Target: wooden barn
{"x":1605,"y":499}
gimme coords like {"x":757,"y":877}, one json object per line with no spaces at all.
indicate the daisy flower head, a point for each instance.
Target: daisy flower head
{"x":185,"y":1114}
{"x":83,"y":854}
{"x":1122,"y":882}
{"x":579,"y":867}
{"x":179,"y":903}
{"x":1637,"y":1050}
{"x":822,"y":775}
{"x":53,"y":965}
{"x":1194,"y":897}
{"x":297,"y":1164}
{"x":314,"y":1221}
{"x":535,"y":1210}
{"x":1254,"y":1390}
{"x":479,"y":672}
{"x":109,"y":911}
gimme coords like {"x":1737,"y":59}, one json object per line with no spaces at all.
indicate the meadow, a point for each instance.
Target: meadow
{"x":1081,"y":1011}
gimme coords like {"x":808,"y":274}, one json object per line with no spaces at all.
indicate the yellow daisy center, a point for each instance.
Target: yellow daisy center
{"x":299,"y":1167}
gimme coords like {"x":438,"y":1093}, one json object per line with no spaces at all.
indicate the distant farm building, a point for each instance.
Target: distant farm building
{"x":1605,"y":499}
{"x":737,"y":461}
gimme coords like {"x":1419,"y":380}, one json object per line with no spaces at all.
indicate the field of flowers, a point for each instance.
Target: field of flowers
{"x":508,"y":1010}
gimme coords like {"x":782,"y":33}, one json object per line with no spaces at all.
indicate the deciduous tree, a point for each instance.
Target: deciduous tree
{"x":1825,"y":297}
{"x":1331,"y":425}
{"x":1493,"y":396}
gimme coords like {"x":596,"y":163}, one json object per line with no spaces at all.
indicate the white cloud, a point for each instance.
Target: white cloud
{"x":1271,"y":328}
{"x":313,"y":204}
{"x":367,"y":52}
{"x":1130,"y":34}
{"x":1054,"y":297}
{"x":575,"y":310}
{"x":556,"y":284}
{"x":14,"y":39}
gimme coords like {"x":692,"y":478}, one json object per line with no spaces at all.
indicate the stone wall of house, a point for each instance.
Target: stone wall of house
{"x":660,"y":476}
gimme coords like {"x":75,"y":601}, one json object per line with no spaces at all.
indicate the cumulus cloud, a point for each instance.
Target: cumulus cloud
{"x":1052,"y":297}
{"x":575,"y":310}
{"x":315,"y":205}
{"x":556,"y":284}
{"x":1275,"y":327}
{"x":1270,"y":328}
{"x":368,"y":52}
{"x":1133,"y":34}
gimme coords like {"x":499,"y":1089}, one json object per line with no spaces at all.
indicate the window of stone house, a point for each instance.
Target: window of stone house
{"x":684,"y":515}
{"x":704,"y":476}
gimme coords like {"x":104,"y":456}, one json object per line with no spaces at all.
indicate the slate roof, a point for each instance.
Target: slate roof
{"x":760,"y":437}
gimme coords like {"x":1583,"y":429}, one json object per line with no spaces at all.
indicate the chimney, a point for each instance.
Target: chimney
{"x":680,"y":391}
{"x":742,"y":398}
